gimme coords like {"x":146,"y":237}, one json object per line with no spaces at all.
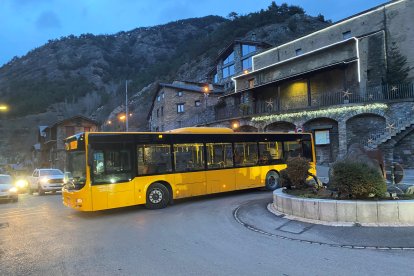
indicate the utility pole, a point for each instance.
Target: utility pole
{"x":126,"y":106}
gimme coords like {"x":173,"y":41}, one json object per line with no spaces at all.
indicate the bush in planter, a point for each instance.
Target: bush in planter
{"x":296,"y":173}
{"x":357,"y":180}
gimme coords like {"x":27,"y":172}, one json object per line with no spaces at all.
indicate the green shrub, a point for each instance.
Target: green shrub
{"x":357,"y":180}
{"x":296,"y":173}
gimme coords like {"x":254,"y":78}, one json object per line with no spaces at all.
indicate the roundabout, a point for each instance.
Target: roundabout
{"x":255,"y":216}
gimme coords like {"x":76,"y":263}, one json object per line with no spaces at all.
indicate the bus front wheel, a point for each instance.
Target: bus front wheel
{"x":157,"y":196}
{"x":272,"y":180}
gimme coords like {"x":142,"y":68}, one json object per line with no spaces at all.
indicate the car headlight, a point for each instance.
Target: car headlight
{"x":13,"y":190}
{"x":21,"y":183}
{"x":44,"y":180}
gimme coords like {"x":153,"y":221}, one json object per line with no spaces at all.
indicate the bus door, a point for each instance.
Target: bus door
{"x":248,"y":174}
{"x":190,"y":177}
{"x":112,"y":184}
{"x":220,"y":175}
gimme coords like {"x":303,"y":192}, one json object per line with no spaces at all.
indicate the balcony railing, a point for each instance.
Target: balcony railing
{"x":317,"y":100}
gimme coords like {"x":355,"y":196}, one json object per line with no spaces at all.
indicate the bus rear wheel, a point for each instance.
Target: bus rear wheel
{"x":272,"y":180}
{"x":157,"y":196}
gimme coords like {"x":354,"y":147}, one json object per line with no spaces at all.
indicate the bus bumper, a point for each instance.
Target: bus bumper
{"x":76,"y":200}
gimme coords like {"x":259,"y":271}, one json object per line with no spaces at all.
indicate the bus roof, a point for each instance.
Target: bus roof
{"x":201,"y":130}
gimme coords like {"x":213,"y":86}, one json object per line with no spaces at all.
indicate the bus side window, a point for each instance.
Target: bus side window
{"x":219,"y":155}
{"x":292,"y":149}
{"x":270,"y":153}
{"x":154,"y":159}
{"x":188,"y":157}
{"x":245,"y":154}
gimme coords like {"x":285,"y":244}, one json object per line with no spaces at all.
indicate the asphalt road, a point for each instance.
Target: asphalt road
{"x":39,"y":236}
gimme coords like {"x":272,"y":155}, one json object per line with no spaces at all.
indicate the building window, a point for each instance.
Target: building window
{"x":247,"y":49}
{"x":70,"y":130}
{"x":162,"y":94}
{"x":247,"y":64}
{"x":162,"y":111}
{"x":215,"y":79}
{"x":158,"y":98}
{"x":346,"y":35}
{"x":299,"y":51}
{"x":180,"y":108}
{"x":180,"y":93}
{"x":229,"y":58}
{"x":251,"y":83}
{"x":180,"y":123}
{"x":228,"y":71}
{"x":197,"y":103}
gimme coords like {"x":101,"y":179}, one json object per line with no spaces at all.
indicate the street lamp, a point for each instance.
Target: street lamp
{"x":4,"y":108}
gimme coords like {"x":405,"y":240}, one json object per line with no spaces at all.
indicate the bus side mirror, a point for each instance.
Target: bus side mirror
{"x":90,"y":156}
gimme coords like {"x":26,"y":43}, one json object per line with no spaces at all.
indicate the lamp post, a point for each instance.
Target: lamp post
{"x":126,"y":105}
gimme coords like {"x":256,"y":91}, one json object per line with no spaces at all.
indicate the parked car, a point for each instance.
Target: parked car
{"x":7,"y":189}
{"x":45,"y":180}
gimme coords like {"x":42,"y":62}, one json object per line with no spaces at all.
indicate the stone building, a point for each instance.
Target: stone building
{"x":350,"y":82}
{"x":51,"y":147}
{"x":235,"y":59}
{"x":182,"y":104}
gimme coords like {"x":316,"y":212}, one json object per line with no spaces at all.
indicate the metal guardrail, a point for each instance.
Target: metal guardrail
{"x":276,"y":105}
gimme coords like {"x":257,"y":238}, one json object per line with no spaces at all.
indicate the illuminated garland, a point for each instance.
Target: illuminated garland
{"x":321,"y":113}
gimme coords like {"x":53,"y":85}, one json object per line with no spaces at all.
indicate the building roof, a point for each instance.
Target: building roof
{"x":74,"y":118}
{"x":187,"y":86}
{"x":229,"y":48}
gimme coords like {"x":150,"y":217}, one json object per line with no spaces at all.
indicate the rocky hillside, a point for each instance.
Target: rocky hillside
{"x":86,"y":74}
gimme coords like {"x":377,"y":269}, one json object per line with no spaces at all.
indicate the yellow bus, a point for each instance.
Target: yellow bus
{"x":110,"y":170}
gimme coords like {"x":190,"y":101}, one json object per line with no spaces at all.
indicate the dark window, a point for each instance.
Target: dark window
{"x":299,"y":51}
{"x":197,"y":103}
{"x":346,"y":35}
{"x":245,"y":154}
{"x":247,"y":63}
{"x":112,"y":166}
{"x":298,"y":149}
{"x":154,"y":159}
{"x":247,"y":49}
{"x":219,"y":155}
{"x":180,"y":108}
{"x":69,"y":130}
{"x":158,"y":98}
{"x":162,"y":111}
{"x":270,"y":153}
{"x":229,"y":58}
{"x":188,"y":157}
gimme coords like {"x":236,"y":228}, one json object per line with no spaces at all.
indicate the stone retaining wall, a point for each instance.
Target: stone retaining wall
{"x":357,"y":211}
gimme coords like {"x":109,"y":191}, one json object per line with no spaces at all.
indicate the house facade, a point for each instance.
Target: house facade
{"x":351,"y":82}
{"x":234,"y":59}
{"x":49,"y":152}
{"x":182,"y":104}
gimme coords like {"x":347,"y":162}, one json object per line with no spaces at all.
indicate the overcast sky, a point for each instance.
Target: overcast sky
{"x":26,"y":24}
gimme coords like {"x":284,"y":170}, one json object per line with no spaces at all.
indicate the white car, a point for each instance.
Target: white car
{"x":7,"y":190}
{"x":46,"y":180}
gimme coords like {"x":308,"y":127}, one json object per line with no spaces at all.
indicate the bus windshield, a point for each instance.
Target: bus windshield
{"x":75,"y":173}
